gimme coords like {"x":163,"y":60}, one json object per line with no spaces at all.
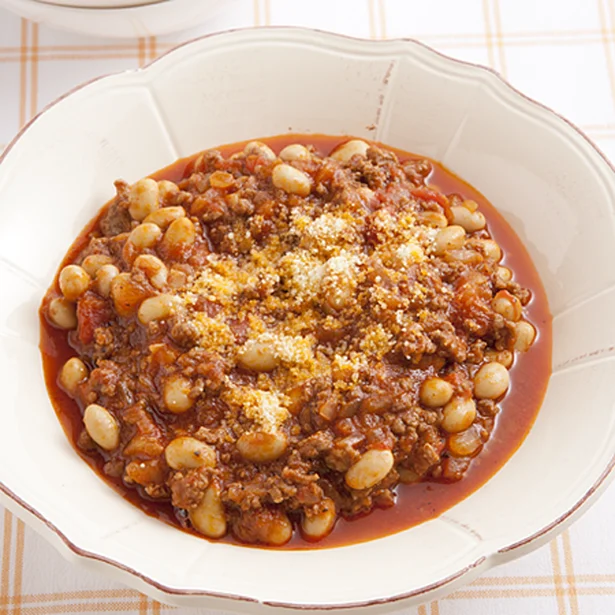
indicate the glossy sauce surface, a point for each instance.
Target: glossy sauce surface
{"x":415,"y":503}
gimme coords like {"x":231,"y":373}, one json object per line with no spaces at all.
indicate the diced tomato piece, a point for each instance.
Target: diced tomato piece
{"x":92,"y":312}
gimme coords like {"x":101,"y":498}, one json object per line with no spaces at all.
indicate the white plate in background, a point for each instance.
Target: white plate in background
{"x":151,"y":19}
{"x":101,"y":4}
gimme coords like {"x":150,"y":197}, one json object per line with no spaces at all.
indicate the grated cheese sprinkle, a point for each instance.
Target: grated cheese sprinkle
{"x":263,"y":407}
{"x":332,"y":288}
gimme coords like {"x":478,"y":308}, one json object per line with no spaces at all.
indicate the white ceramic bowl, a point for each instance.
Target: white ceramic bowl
{"x":551,"y":184}
{"x":135,"y":18}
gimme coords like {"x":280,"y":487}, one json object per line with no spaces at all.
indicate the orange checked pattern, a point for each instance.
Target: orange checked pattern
{"x":561,"y":52}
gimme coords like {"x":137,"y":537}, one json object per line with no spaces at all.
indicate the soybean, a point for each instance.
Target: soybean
{"x":102,"y":427}
{"x":491,"y":381}
{"x":370,"y":469}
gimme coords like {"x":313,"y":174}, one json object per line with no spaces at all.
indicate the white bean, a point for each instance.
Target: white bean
{"x":370,"y":469}
{"x":458,"y":414}
{"x":101,"y":427}
{"x":491,"y":250}
{"x":258,"y":356}
{"x":291,"y":180}
{"x":180,"y":235}
{"x":185,"y":452}
{"x":208,"y":518}
{"x":504,"y":274}
{"x":164,"y":216}
{"x":63,"y":313}
{"x":354,"y":147}
{"x":294,"y":152}
{"x":126,"y":295}
{"x":145,"y":235}
{"x":104,"y":277}
{"x":269,"y":526}
{"x":176,"y":394}
{"x":524,"y":335}
{"x":74,"y":281}
{"x":94,"y":262}
{"x":434,"y":218}
{"x":491,"y":381}
{"x":470,"y":221}
{"x":261,"y":446}
{"x":279,"y":531}
{"x":317,"y":526}
{"x":156,"y":308}
{"x":167,"y":189}
{"x":221,"y":179}
{"x":73,"y":373}
{"x":143,"y":198}
{"x":435,"y":392}
{"x":504,"y":357}
{"x":256,"y":148}
{"x":507,"y":305}
{"x":155,"y":270}
{"x":449,"y":238}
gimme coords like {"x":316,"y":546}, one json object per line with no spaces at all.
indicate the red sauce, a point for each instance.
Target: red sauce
{"x":415,"y":503}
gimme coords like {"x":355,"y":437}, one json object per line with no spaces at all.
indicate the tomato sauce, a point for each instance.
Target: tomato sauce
{"x":415,"y":503}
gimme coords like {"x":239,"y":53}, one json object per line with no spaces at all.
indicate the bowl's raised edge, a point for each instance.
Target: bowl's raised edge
{"x":603,"y":480}
{"x":527,"y":544}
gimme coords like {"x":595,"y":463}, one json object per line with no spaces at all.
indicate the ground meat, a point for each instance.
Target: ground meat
{"x":103,"y":380}
{"x":424,"y":457}
{"x":344,"y":453}
{"x":185,"y":333}
{"x":85,"y":443}
{"x":454,"y":468}
{"x":317,"y":444}
{"x":289,"y":340}
{"x":150,"y":474}
{"x":117,"y":220}
{"x":265,"y":526}
{"x":113,"y":468}
{"x":260,"y":491}
{"x":417,"y":171}
{"x":443,"y":334}
{"x":187,"y":488}
{"x":148,"y":440}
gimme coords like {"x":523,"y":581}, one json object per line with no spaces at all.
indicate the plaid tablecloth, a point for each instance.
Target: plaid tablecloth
{"x":561,"y":52}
